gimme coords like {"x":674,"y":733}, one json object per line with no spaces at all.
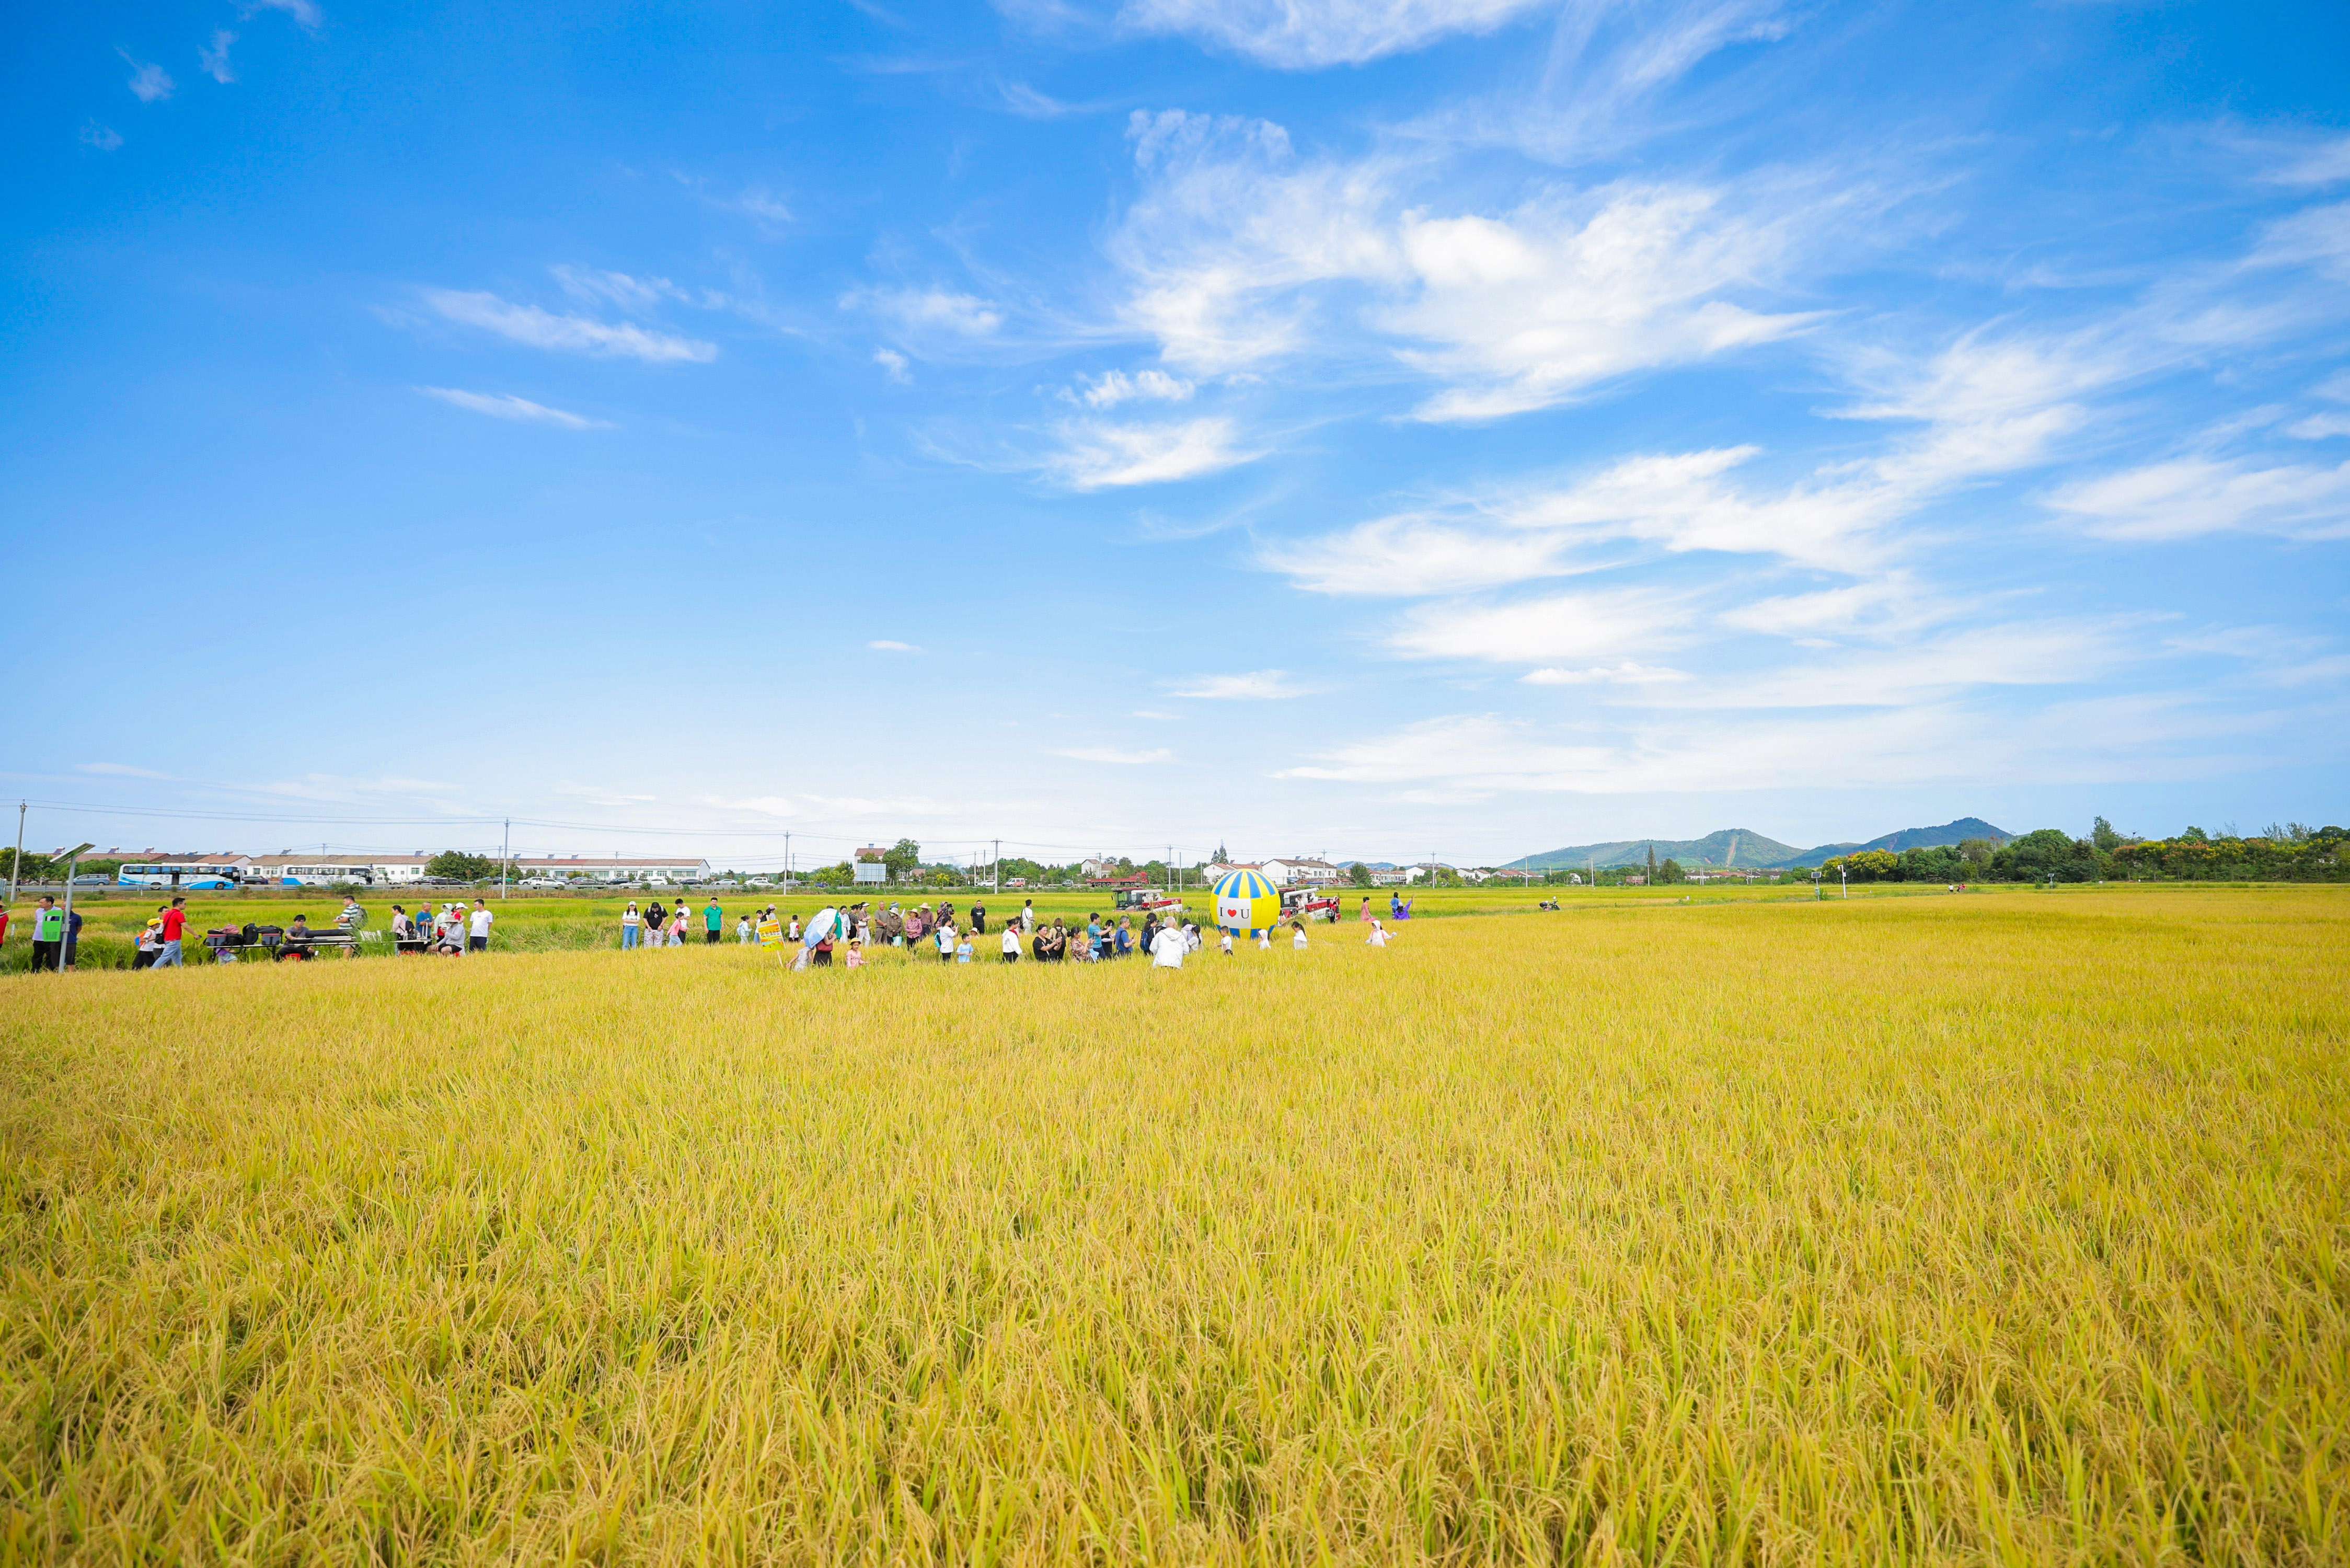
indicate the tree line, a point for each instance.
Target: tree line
{"x":2289,"y":852}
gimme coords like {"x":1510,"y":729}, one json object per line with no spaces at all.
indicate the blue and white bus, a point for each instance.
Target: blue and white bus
{"x":184,"y":875}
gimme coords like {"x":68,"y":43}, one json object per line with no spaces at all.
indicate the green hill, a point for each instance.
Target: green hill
{"x":1744,"y":846}
{"x":1730,"y":847}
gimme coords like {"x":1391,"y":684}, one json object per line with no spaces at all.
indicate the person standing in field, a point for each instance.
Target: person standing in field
{"x":629,"y":922}
{"x":1365,"y":912}
{"x":946,"y":941}
{"x":1028,"y":914}
{"x":175,"y":929}
{"x":1378,"y":937}
{"x":1226,"y":944}
{"x":712,"y":918}
{"x":978,"y":920}
{"x":1298,"y":941}
{"x":48,"y":933}
{"x":1012,"y":942}
{"x":478,"y":940}
{"x":1169,"y":947}
{"x":150,"y":940}
{"x":742,"y":930}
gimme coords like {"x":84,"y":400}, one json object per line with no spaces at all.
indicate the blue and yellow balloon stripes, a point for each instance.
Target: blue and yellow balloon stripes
{"x":1246,"y":901}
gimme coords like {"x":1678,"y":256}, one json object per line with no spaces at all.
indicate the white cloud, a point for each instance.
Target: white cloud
{"x":1525,"y":310}
{"x":2189,"y":496}
{"x":1625,"y":674}
{"x":1097,"y":455}
{"x":505,"y":406}
{"x":637,"y":294}
{"x":1114,"y":387}
{"x":890,"y":360}
{"x":928,"y":311}
{"x":888,"y":646}
{"x":148,"y":83}
{"x":118,"y":769}
{"x":104,"y":138}
{"x":544,"y":330}
{"x":2313,"y":163}
{"x":2097,"y":740}
{"x":305,"y":12}
{"x":1112,"y":754}
{"x":1305,"y":35}
{"x":213,"y":56}
{"x":1414,"y":554}
{"x":2047,"y":653}
{"x":1259,"y":685}
{"x":1239,"y":253}
{"x":2320,"y":427}
{"x":758,"y":202}
{"x":1563,"y":626}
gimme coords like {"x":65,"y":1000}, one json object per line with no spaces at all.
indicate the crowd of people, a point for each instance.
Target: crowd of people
{"x":456,"y":929}
{"x":849,"y":933}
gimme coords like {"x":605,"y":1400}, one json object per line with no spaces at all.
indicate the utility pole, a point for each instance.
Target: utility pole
{"x":995,"y":867}
{"x":66,"y":948}
{"x":506,"y":858}
{"x":788,"y":862}
{"x":17,"y":869}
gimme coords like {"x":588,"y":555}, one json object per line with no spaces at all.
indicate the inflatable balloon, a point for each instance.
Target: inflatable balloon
{"x":1247,"y":902}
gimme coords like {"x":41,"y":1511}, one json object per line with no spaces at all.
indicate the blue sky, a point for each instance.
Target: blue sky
{"x":1375,"y":428}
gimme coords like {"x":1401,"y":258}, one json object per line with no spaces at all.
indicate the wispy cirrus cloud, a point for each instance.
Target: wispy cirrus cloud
{"x":1308,"y":34}
{"x":929,"y":312}
{"x":118,"y":769}
{"x":1096,"y":454}
{"x":1240,"y":253}
{"x":213,"y":56}
{"x":539,"y":329}
{"x":505,"y":406}
{"x":887,"y":645}
{"x":303,"y":12}
{"x":1115,"y":755}
{"x":2185,"y":497}
{"x":150,"y":83}
{"x":1256,"y":685}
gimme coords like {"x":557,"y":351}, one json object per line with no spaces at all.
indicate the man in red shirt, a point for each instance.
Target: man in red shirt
{"x":175,"y":920}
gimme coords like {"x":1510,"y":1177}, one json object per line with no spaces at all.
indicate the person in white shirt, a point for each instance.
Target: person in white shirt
{"x":1378,"y":937}
{"x":481,"y":931}
{"x":1167,"y":948}
{"x":629,"y":922}
{"x":946,"y":941}
{"x":1298,"y":941}
{"x":742,"y":930}
{"x":1225,"y":941}
{"x":1028,"y":914}
{"x":1012,"y":944}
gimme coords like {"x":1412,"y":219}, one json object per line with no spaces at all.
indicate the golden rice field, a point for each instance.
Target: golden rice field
{"x":2006,"y":1228}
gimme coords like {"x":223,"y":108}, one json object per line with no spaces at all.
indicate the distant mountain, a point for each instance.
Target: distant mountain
{"x":1957,"y":832}
{"x":1730,"y":847}
{"x":1744,"y":846}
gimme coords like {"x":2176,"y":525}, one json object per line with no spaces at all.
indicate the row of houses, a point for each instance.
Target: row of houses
{"x":147,"y":867}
